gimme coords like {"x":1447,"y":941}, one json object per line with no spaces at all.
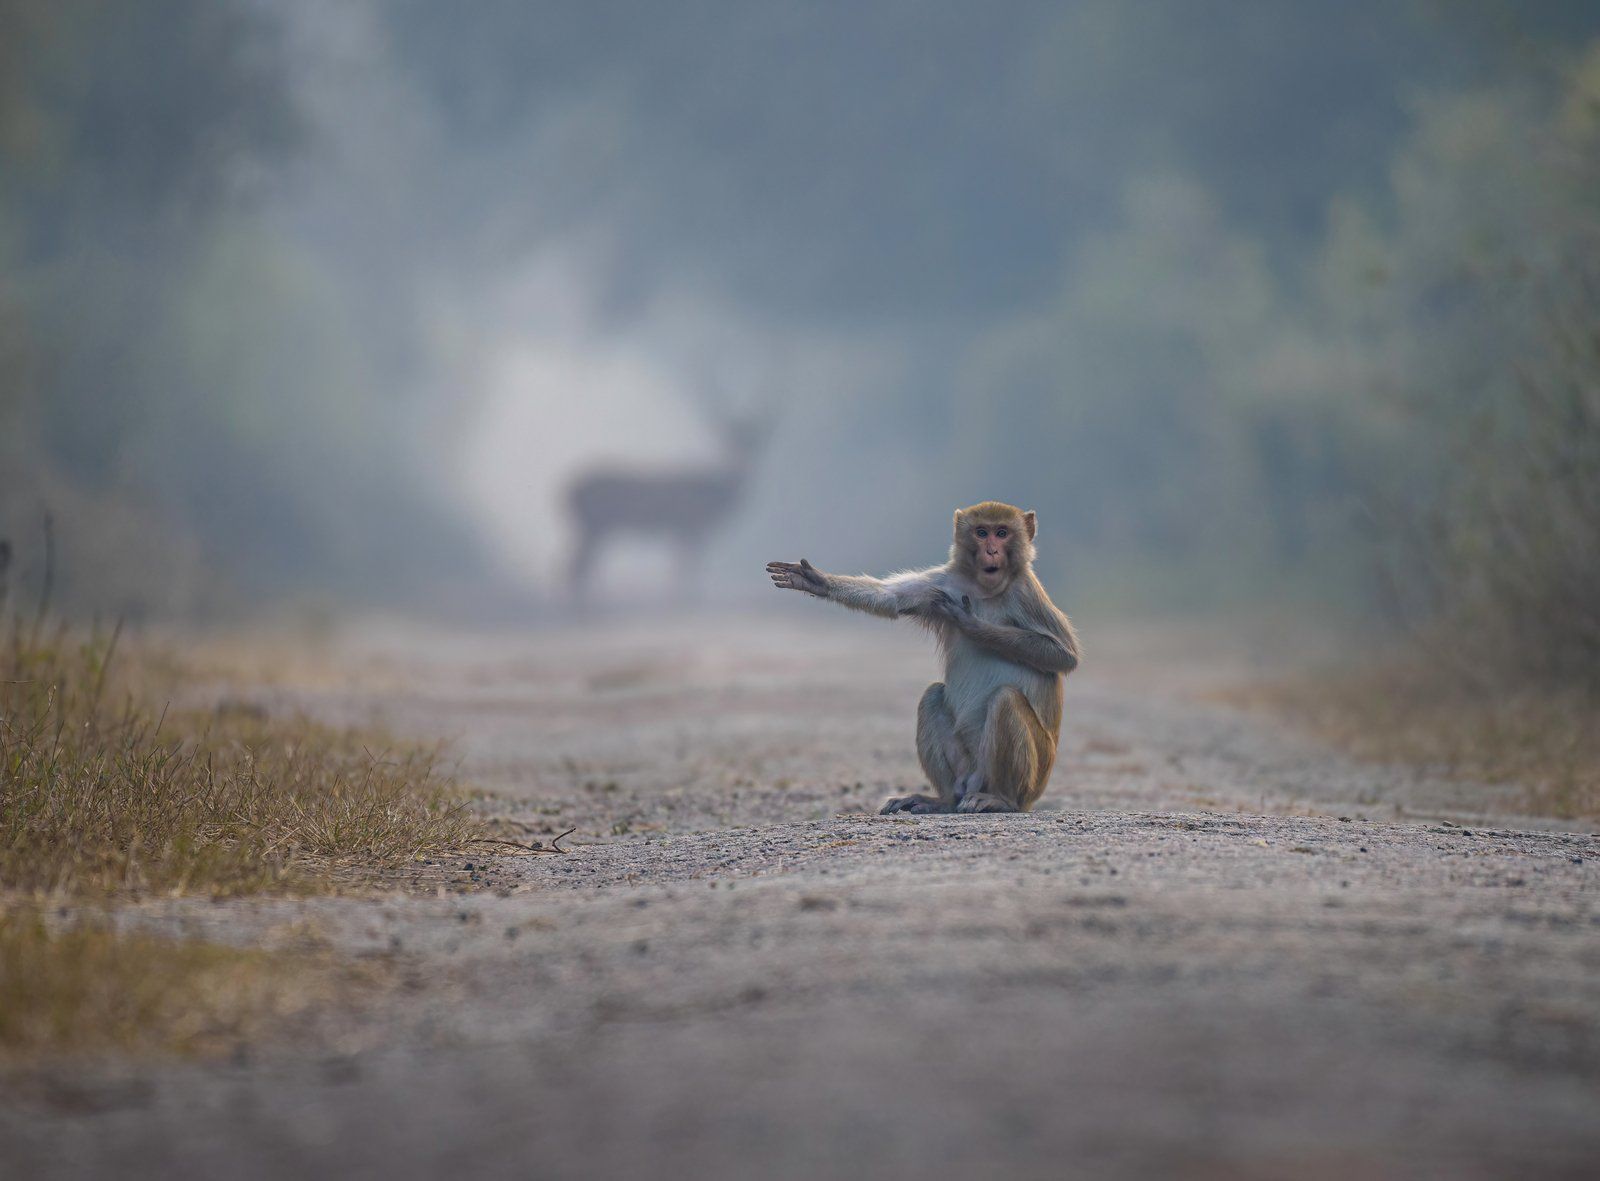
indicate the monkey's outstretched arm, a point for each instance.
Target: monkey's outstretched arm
{"x":887,"y":597}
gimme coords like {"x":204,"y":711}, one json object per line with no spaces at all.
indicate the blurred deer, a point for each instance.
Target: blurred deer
{"x":684,"y":506}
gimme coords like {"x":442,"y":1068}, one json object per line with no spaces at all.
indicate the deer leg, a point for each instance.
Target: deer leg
{"x":583,"y":560}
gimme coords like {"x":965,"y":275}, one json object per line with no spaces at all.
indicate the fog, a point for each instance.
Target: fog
{"x":335,"y":302}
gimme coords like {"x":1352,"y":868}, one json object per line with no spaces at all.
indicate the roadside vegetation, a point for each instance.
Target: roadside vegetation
{"x":1495,"y":580}
{"x":1479,"y":328}
{"x":107,"y":796}
{"x":1540,"y":738}
{"x":104,"y":792}
{"x":86,"y":990}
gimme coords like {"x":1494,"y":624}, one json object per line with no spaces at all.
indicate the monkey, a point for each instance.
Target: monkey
{"x":987,"y":733}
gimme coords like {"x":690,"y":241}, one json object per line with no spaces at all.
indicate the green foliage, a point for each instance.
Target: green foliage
{"x":181,"y":382}
{"x":1404,"y":410}
{"x":1473,"y":303}
{"x":1228,"y":293}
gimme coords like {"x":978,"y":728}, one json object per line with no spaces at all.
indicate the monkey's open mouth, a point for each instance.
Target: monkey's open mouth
{"x":991,"y":569}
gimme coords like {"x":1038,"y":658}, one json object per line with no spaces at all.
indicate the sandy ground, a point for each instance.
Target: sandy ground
{"x":1217,"y":950}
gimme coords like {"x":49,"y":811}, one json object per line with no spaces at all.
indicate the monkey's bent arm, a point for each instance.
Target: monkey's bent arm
{"x":1040,"y":650}
{"x":889,"y":598}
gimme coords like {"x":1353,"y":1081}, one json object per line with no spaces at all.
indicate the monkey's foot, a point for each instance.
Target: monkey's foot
{"x":916,"y":805}
{"x":985,"y":802}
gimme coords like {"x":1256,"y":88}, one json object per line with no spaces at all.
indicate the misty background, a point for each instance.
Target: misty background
{"x":1259,"y":305}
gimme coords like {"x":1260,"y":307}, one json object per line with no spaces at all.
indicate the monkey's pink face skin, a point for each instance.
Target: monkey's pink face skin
{"x":990,"y":562}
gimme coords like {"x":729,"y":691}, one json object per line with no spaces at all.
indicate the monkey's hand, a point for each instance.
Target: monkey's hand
{"x":942,"y":607}
{"x":801,"y":577}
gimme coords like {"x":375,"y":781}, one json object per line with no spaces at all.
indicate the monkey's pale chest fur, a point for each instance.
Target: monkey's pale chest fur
{"x":972,"y":674}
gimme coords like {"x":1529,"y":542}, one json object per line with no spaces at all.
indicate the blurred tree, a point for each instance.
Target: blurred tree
{"x":126,"y":131}
{"x":1476,"y":307}
{"x":192,"y":362}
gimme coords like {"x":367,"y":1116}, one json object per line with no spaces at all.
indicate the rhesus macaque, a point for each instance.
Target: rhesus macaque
{"x":986,"y":734}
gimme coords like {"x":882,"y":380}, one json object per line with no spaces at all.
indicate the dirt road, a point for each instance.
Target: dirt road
{"x":1216,"y":951}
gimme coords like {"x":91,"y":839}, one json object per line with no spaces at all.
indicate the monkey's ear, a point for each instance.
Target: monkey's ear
{"x":959,"y":516}
{"x":1030,"y":522}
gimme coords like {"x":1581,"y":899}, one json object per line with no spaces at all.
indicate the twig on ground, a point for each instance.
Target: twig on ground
{"x":554,"y":846}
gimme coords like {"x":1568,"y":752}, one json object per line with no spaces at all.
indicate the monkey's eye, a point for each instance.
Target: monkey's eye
{"x":983,"y":533}
{"x":1000,"y":532}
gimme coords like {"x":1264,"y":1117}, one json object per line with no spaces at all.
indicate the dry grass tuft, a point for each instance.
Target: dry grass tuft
{"x":104,"y":794}
{"x":101,"y":792}
{"x":1544,"y":740}
{"x":87,"y":990}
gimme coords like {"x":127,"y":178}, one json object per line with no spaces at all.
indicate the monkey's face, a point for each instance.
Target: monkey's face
{"x":991,"y":556}
{"x":992,"y":544}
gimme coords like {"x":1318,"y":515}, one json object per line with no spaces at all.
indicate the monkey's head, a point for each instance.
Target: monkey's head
{"x":993,"y":544}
